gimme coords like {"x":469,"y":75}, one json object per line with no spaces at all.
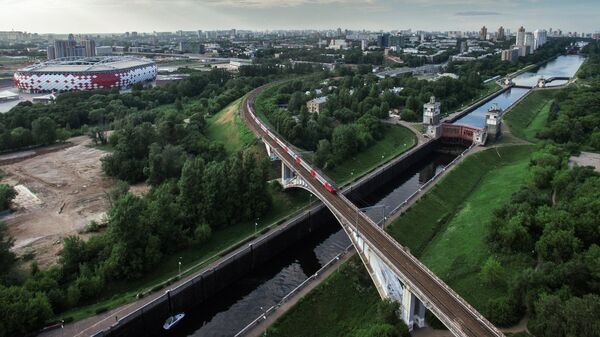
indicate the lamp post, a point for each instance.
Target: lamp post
{"x":179,"y":265}
{"x":256,"y":226}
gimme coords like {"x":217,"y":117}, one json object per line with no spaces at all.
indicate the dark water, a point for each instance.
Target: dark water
{"x":239,"y":304}
{"x":477,"y":117}
{"x":562,"y":66}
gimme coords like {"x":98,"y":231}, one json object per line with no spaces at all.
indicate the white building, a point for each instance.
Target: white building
{"x":529,"y":42}
{"x":540,"y":38}
{"x":520,"y":37}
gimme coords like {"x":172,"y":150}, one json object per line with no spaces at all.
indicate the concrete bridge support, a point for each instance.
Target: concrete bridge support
{"x":272,"y":155}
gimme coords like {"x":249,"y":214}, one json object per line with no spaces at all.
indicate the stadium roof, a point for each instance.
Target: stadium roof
{"x":6,"y":95}
{"x":87,"y":64}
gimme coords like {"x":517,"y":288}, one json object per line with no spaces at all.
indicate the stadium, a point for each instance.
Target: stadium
{"x":85,"y":73}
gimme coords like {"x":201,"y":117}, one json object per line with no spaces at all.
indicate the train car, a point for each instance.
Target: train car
{"x":329,"y":186}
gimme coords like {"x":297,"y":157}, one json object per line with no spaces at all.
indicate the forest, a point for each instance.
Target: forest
{"x":196,"y":188}
{"x":350,"y":120}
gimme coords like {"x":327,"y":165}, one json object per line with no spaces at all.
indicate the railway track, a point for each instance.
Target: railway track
{"x":453,"y":311}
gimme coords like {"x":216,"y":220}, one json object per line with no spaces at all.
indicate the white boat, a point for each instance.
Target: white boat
{"x":172,"y":320}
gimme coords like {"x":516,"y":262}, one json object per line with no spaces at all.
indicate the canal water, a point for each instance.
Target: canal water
{"x":562,"y":66}
{"x":239,"y":304}
{"x":476,"y":118}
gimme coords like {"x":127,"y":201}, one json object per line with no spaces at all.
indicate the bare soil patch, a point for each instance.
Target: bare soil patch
{"x":59,"y":193}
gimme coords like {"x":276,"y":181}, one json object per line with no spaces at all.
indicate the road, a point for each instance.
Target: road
{"x":460,"y":318}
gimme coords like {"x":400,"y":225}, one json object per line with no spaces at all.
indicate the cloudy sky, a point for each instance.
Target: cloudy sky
{"x":99,"y":16}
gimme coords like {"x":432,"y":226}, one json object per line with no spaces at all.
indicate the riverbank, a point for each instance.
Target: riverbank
{"x":431,"y":228}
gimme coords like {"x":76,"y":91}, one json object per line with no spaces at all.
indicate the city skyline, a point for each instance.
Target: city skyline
{"x":111,"y":16}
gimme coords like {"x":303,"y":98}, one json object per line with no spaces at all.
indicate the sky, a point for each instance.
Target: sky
{"x":115,"y":16}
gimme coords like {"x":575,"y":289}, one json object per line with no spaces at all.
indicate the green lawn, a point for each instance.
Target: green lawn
{"x":458,"y":251}
{"x":344,"y":302}
{"x":396,"y":140}
{"x":196,"y":257}
{"x":446,"y":229}
{"x":528,"y":117}
{"x":228,"y":128}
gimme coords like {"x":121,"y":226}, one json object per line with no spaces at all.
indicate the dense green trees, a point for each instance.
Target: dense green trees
{"x":7,"y":194}
{"x":552,"y":225}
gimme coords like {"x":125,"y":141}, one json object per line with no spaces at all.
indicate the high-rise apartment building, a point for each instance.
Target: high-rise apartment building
{"x":529,"y":42}
{"x":540,"y":38}
{"x":501,"y":34}
{"x":483,"y":33}
{"x":520,"y":37}
{"x":90,"y":47}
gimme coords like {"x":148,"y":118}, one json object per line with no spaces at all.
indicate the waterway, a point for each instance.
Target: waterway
{"x":239,"y":304}
{"x":476,"y":118}
{"x":562,"y":66}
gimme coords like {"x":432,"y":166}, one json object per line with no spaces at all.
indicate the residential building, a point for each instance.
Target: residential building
{"x":510,"y":55}
{"x":90,"y":47}
{"x":529,"y":42}
{"x":483,"y":33}
{"x":316,"y":105}
{"x":501,"y":34}
{"x":104,"y":51}
{"x":50,"y":54}
{"x":540,"y":38}
{"x":383,"y":40}
{"x":520,"y":37}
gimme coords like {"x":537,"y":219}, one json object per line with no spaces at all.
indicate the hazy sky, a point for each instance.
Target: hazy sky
{"x":98,"y":16}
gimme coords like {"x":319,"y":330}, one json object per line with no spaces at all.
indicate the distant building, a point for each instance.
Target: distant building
{"x":493,"y":122}
{"x":50,"y":54}
{"x":104,"y":51}
{"x":316,"y":105}
{"x":431,"y":118}
{"x":483,"y":33}
{"x":510,"y":55}
{"x":397,"y":42}
{"x":64,"y":48}
{"x":383,"y":40}
{"x":520,"y":37}
{"x":501,"y":34}
{"x":90,"y":47}
{"x":529,"y":42}
{"x":364,"y":44}
{"x":337,"y":44}
{"x":540,"y":37}
{"x":522,"y":50}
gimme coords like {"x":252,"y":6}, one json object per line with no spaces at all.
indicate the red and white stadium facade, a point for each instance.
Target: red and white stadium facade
{"x":114,"y":73}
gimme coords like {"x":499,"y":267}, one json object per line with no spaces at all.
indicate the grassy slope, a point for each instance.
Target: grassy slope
{"x":446,"y":229}
{"x":228,"y":128}
{"x":344,"y":302}
{"x":396,"y":140}
{"x":529,"y":116}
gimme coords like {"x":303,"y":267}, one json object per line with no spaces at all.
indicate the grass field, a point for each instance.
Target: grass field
{"x":396,"y":140}
{"x":528,"y":117}
{"x":196,"y":257}
{"x":446,"y":229}
{"x":343,"y":303}
{"x":227,"y":127}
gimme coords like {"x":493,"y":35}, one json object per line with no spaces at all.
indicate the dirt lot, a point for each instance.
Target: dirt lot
{"x":59,"y":193}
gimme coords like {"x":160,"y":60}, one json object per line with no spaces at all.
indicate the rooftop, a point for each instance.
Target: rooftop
{"x":89,"y":64}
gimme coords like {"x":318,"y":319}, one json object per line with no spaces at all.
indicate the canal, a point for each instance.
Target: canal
{"x":239,"y":304}
{"x":562,"y":66}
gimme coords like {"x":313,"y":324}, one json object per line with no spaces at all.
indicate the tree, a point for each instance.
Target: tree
{"x":7,"y":194}
{"x":557,"y":245}
{"x":164,"y":163}
{"x":22,"y":311}
{"x":7,"y":257}
{"x":44,"y":130}
{"x":492,"y":272}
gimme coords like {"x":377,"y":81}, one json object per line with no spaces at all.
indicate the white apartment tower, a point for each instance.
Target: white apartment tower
{"x":540,"y":38}
{"x":520,"y":37}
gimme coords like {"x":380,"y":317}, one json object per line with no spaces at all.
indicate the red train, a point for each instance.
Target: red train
{"x":330,"y":186}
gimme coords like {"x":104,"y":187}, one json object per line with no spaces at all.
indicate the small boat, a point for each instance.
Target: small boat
{"x":172,"y":320}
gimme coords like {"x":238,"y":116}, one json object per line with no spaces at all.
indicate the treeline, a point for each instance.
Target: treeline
{"x":75,"y":113}
{"x":321,"y":55}
{"x":349,"y":120}
{"x":197,"y":188}
{"x":493,"y":66}
{"x":551,"y":226}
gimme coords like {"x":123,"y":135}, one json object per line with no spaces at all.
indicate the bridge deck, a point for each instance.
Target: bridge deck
{"x":465,"y":320}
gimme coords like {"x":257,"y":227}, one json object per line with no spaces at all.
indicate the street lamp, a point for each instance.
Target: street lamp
{"x":179,"y":265}
{"x":256,"y":226}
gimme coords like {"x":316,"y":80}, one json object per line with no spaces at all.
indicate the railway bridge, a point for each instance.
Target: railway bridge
{"x":396,"y":273}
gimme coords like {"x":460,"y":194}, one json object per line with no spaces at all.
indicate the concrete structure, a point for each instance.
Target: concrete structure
{"x":540,"y":38}
{"x":396,"y":273}
{"x":483,"y":33}
{"x":90,"y":47}
{"x":493,"y":122}
{"x":104,"y":51}
{"x":316,"y":105}
{"x":6,"y":96}
{"x":529,"y":42}
{"x":510,"y":55}
{"x":501,"y":35}
{"x":431,"y":118}
{"x":77,"y":73}
{"x":520,"y":37}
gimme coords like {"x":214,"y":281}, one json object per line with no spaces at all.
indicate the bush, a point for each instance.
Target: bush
{"x":101,"y":310}
{"x":503,"y":311}
{"x":7,"y":194}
